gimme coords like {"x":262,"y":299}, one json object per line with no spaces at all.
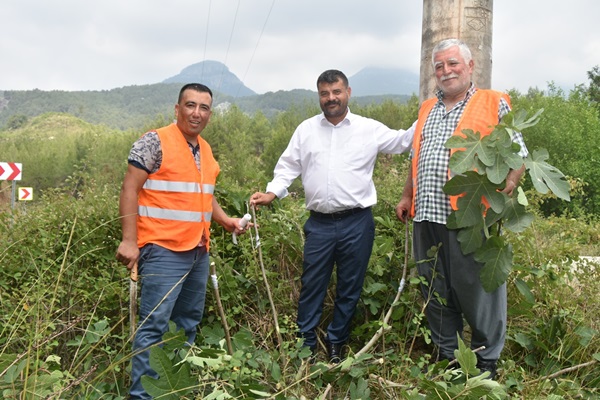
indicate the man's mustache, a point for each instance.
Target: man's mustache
{"x":449,"y":77}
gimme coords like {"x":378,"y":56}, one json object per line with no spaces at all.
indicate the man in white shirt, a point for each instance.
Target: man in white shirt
{"x":334,"y":153}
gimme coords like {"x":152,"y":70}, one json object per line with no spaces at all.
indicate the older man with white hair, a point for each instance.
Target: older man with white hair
{"x":453,"y":277}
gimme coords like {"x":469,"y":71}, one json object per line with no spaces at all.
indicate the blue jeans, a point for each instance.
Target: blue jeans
{"x":173,"y":288}
{"x":347,"y":244}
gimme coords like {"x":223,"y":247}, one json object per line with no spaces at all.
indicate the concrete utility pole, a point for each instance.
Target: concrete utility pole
{"x":468,"y":20}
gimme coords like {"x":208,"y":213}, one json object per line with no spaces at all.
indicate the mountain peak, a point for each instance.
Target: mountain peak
{"x":374,"y":81}
{"x":215,"y":75}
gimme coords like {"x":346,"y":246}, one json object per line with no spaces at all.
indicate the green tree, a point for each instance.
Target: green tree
{"x":594,"y":88}
{"x":16,"y":121}
{"x":392,"y":114}
{"x":570,"y":130}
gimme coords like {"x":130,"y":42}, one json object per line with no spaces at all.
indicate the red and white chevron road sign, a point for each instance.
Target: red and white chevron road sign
{"x":25,"y":194}
{"x":10,"y":171}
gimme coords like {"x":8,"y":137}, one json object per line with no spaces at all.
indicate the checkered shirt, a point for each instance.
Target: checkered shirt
{"x":431,"y":203}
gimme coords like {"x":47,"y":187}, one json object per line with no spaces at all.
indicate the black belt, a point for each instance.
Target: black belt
{"x":339,"y":214}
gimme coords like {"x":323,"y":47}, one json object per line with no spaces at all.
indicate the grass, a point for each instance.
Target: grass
{"x":64,"y":312}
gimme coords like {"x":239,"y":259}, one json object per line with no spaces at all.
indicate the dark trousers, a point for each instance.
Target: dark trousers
{"x":454,"y":277}
{"x":346,"y":243}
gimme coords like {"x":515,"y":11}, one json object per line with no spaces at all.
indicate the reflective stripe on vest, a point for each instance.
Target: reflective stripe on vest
{"x":184,"y":187}
{"x":174,"y":215}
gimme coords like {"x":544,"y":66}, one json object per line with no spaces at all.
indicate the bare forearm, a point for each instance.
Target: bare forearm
{"x":233,"y":225}
{"x":404,"y":206}
{"x":128,"y":209}
{"x":407,"y":192}
{"x":218,"y":215}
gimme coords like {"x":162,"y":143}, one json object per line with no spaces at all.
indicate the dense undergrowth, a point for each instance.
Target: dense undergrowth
{"x":64,"y":328}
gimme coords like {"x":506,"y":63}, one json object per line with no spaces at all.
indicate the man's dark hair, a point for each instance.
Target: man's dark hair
{"x":198,"y":87}
{"x":331,"y":76}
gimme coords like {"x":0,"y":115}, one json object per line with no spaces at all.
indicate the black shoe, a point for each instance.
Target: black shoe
{"x":335,"y":352}
{"x":487,"y":365}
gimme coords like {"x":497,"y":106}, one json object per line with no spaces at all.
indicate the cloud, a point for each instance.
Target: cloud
{"x":538,"y":43}
{"x":273,"y":45}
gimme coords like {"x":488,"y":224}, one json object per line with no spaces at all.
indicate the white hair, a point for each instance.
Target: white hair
{"x":465,"y":52}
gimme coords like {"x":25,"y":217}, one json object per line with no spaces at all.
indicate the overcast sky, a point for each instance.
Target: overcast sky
{"x":274,"y":45}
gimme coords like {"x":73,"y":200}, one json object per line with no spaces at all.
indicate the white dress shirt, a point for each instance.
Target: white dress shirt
{"x":336,"y":161}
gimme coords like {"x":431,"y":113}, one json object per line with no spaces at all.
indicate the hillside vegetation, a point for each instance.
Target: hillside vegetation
{"x":131,"y":107}
{"x":64,"y":330}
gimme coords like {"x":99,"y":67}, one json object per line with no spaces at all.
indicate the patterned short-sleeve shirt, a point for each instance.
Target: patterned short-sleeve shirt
{"x":146,"y":153}
{"x":431,"y":203}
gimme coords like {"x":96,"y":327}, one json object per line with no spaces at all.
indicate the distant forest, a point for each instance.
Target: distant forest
{"x":132,"y":107}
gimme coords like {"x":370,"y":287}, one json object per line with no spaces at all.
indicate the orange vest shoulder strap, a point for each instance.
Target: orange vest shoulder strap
{"x":424,"y":111}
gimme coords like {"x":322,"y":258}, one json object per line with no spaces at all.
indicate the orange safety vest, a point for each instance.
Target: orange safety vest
{"x":480,"y":115}
{"x":175,"y":203}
